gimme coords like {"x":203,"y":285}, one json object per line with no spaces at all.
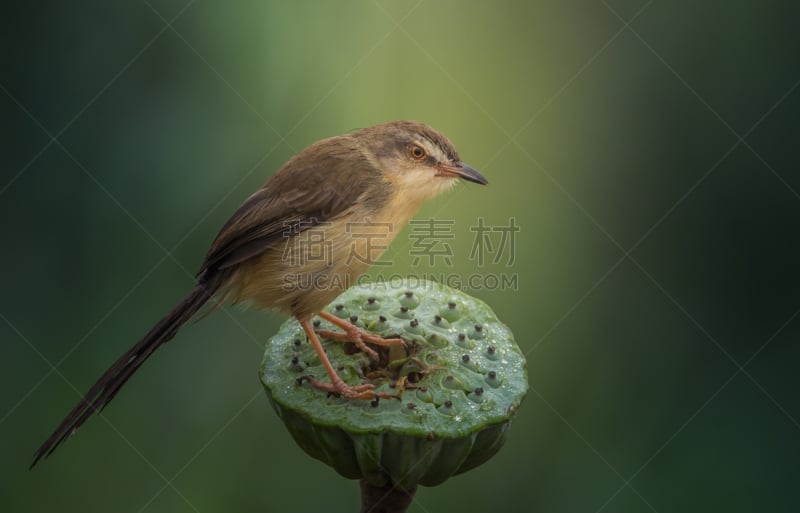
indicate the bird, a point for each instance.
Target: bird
{"x":299,"y":241}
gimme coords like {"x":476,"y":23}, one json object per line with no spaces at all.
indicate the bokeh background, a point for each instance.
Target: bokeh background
{"x":646,"y":149}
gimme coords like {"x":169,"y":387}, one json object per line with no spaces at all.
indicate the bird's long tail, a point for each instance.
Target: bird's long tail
{"x":112,"y":380}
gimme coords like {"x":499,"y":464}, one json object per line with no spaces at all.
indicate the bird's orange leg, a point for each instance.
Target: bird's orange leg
{"x":356,"y":335}
{"x":337,"y":385}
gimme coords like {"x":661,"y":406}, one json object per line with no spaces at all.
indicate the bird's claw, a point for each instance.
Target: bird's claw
{"x":359,"y":338}
{"x":349,"y":392}
{"x":354,"y":338}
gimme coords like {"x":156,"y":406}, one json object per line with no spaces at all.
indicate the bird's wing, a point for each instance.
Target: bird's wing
{"x":307,"y":191}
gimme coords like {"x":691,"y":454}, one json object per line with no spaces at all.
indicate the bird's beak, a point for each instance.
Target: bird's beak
{"x":461,"y":170}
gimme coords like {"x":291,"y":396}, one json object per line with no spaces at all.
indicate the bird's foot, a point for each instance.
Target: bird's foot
{"x":350,"y":392}
{"x":356,"y":336}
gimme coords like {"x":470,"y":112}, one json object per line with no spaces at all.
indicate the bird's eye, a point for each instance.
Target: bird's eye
{"x":417,"y":152}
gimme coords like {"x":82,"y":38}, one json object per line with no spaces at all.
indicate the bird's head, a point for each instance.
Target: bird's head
{"x":416,"y":158}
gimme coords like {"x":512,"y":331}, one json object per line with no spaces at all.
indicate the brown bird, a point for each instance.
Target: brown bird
{"x":302,"y":239}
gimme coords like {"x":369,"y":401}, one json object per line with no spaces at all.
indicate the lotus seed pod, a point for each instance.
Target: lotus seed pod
{"x":403,"y":313}
{"x":463,"y":341}
{"x":478,"y":332}
{"x":415,"y":327}
{"x":371,"y":304}
{"x":409,"y":300}
{"x":457,"y":385}
{"x":450,"y":312}
{"x":437,"y":340}
{"x":340,"y":311}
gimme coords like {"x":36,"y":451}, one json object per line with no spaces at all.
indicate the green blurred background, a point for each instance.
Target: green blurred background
{"x":651,"y":167}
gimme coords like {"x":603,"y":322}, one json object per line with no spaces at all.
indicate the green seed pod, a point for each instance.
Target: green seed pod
{"x":424,"y":394}
{"x":409,"y":299}
{"x":437,"y":340}
{"x":340,"y":311}
{"x":414,"y":327}
{"x":450,"y":312}
{"x":478,"y":332}
{"x":456,"y":395}
{"x":440,"y":322}
{"x":403,"y":312}
{"x":371,"y":304}
{"x":463,"y":341}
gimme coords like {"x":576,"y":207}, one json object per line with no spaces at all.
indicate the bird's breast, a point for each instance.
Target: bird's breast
{"x":303,"y":272}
